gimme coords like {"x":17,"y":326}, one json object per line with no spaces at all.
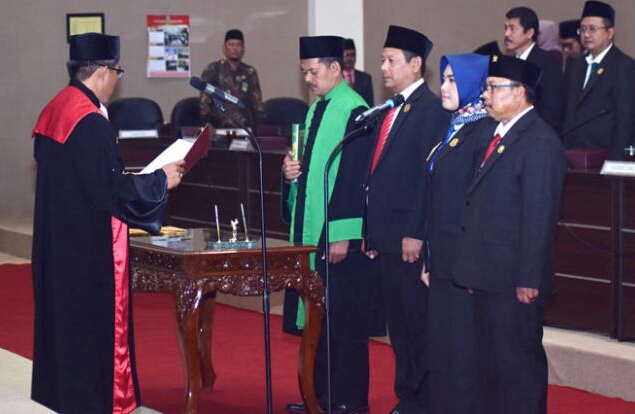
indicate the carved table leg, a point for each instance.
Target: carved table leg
{"x":308,"y":348}
{"x":205,"y":340}
{"x":188,"y":299}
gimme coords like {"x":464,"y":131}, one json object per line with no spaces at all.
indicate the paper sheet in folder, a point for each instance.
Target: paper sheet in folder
{"x":182,"y":149}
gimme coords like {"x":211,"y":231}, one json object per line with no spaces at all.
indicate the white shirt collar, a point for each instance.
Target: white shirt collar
{"x":103,"y":110}
{"x":504,"y":129}
{"x":598,"y":59}
{"x":410,"y":89}
{"x":527,"y":51}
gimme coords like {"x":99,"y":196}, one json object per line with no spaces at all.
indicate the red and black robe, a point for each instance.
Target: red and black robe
{"x":83,"y":360}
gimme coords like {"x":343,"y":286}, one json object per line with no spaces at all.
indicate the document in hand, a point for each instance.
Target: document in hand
{"x":182,"y":149}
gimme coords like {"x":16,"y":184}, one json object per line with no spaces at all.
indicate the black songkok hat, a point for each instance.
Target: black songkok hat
{"x":514,"y":69}
{"x":569,"y":29}
{"x":407,"y":39}
{"x":349,"y":44}
{"x":599,"y":9}
{"x":321,"y":47}
{"x":234,"y":34}
{"x":89,"y":47}
{"x":487,"y":49}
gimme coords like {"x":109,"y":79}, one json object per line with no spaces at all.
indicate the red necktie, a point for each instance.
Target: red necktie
{"x":349,"y":77}
{"x":492,"y":144}
{"x":383,"y":137}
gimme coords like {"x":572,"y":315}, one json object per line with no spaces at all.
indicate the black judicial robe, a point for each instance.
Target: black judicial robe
{"x":80,"y":195}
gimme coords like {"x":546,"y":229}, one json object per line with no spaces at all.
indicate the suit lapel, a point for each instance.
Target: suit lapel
{"x":511,"y":137}
{"x":599,"y":73}
{"x":457,"y":140}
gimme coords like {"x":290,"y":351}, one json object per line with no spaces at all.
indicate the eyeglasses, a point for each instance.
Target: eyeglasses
{"x":591,"y":29}
{"x":119,"y":71}
{"x":491,"y":86}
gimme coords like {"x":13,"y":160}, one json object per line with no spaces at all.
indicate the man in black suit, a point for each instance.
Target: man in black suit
{"x":521,"y":34}
{"x":600,"y":93}
{"x":396,"y":208}
{"x":505,"y":249}
{"x":358,"y":80}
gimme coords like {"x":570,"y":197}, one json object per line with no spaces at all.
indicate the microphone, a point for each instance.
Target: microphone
{"x":209,"y":89}
{"x":390,"y":103}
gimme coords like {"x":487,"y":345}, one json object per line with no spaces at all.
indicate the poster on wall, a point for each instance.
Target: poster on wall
{"x":168,"y":46}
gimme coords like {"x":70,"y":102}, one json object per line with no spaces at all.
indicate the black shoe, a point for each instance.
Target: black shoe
{"x":298,"y":407}
{"x":348,"y":409}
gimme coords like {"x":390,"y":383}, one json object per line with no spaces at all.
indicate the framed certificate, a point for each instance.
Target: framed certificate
{"x":79,"y":23}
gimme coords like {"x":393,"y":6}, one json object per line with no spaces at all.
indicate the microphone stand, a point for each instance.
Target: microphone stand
{"x":263,"y":247}
{"x":327,"y":296}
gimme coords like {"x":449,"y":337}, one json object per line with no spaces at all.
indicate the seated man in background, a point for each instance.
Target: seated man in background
{"x":521,"y":35}
{"x":356,"y":79}
{"x":236,"y":78}
{"x":599,"y":105}
{"x":569,"y":42}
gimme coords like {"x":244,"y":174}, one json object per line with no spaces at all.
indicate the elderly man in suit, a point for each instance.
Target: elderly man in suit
{"x":505,"y":249}
{"x":600,"y":93}
{"x":356,"y":79}
{"x":521,"y":35}
{"x":396,"y":208}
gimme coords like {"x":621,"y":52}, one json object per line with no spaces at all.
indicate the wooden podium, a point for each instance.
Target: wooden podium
{"x":192,"y":271}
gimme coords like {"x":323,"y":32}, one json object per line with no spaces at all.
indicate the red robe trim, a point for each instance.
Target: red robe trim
{"x":124,"y":400}
{"x":60,"y":117}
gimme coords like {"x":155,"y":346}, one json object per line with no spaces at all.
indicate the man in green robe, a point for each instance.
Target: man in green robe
{"x":353,"y":278}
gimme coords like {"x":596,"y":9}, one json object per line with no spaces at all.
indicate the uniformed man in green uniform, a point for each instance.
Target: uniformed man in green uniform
{"x":237,"y":79}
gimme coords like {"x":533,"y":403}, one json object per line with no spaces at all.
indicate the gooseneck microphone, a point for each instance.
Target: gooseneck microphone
{"x":215,"y":91}
{"x":390,"y":103}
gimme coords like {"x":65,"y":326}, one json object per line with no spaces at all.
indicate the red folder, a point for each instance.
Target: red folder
{"x":199,"y":149}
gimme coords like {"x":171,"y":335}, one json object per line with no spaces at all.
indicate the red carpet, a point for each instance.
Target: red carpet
{"x":237,"y":354}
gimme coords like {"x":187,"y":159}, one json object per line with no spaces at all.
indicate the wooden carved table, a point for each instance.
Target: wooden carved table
{"x":189,"y":269}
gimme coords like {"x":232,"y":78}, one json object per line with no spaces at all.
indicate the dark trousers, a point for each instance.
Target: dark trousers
{"x":513,"y":363}
{"x":406,"y":300}
{"x":354,"y":317}
{"x":454,"y":378}
{"x":349,"y":372}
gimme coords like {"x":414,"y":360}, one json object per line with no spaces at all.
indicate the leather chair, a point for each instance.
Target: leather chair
{"x":284,"y":112}
{"x":186,"y":113}
{"x":135,"y":113}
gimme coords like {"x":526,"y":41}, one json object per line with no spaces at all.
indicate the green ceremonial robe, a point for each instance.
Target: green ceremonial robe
{"x":327,"y":122}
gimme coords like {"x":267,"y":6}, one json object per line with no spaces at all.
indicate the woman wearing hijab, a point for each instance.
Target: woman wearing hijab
{"x":548,"y":35}
{"x":454,"y":382}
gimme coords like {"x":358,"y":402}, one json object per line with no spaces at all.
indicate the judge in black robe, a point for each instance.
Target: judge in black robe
{"x":83,"y":359}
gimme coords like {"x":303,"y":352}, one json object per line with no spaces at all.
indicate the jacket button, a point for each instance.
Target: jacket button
{"x":463,"y":228}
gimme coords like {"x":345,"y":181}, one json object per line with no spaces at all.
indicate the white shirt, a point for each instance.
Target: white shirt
{"x":504,"y":129}
{"x":590,"y":60}
{"x":527,"y":51}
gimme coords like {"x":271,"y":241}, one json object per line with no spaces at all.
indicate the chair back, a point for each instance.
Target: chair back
{"x":186,"y":113}
{"x":135,"y":113}
{"x":285,"y":111}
